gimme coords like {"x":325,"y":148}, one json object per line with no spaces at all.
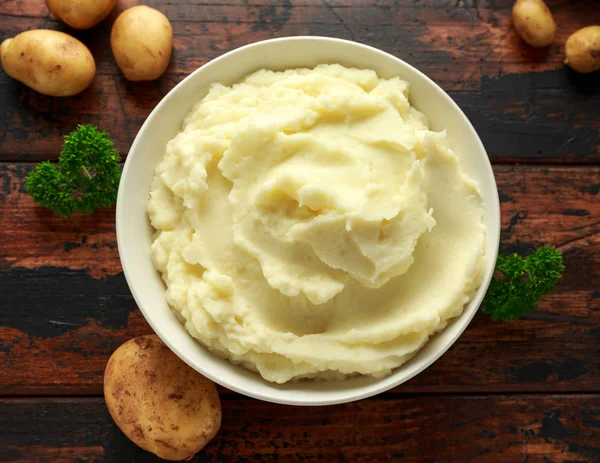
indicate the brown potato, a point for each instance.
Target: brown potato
{"x":81,"y":14}
{"x":534,"y":22}
{"x":141,"y":41}
{"x":582,"y":50}
{"x":49,"y":62}
{"x":159,"y":402}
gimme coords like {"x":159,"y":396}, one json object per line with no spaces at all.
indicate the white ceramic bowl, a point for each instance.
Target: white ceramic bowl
{"x":134,"y":233}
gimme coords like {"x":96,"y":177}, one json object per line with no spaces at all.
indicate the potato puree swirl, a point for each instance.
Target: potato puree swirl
{"x":310,"y":224}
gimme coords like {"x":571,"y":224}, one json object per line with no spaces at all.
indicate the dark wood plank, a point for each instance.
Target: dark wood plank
{"x":66,"y":305}
{"x":447,"y":428}
{"x":525,"y":104}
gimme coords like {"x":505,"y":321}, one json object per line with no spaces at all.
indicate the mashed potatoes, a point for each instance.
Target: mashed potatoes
{"x":309,"y":224}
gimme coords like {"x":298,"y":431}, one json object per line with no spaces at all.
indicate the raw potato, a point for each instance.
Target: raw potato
{"x":81,"y":14}
{"x":583,"y":50}
{"x":534,"y":22}
{"x":141,"y":41}
{"x":159,"y":402}
{"x":50,"y":62}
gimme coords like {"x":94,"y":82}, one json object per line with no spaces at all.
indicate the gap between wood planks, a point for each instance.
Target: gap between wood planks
{"x":388,"y":395}
{"x":495,"y":162}
{"x":382,"y":396}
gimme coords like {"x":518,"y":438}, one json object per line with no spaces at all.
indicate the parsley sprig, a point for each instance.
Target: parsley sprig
{"x":85,"y":178}
{"x":522,"y":283}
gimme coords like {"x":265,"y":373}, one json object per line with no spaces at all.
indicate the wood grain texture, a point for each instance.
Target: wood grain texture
{"x":67,"y":305}
{"x":524,"y":103}
{"x":432,"y":429}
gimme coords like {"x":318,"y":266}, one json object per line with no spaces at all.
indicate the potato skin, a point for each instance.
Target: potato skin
{"x":81,"y":14}
{"x":534,"y":22}
{"x":49,"y":62}
{"x":159,"y":402}
{"x":141,"y":40}
{"x":582,"y":50}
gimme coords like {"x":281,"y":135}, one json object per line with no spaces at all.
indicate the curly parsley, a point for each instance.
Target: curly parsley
{"x":523,"y":283}
{"x":85,"y":178}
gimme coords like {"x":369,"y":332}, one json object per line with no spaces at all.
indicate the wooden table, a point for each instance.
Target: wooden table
{"x":528,"y":390}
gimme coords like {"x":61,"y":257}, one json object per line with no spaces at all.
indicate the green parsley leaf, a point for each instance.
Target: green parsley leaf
{"x":85,"y":178}
{"x":522,"y":283}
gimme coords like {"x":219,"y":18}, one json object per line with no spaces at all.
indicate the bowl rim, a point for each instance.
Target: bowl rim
{"x":381,"y":385}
